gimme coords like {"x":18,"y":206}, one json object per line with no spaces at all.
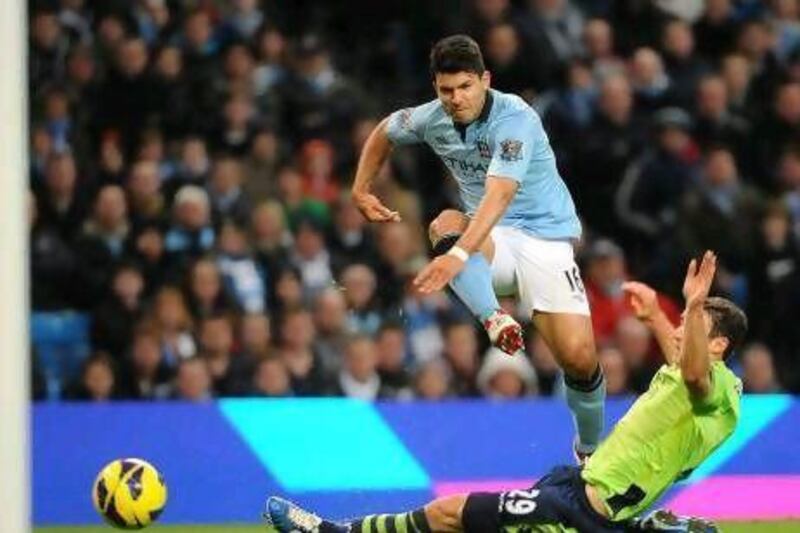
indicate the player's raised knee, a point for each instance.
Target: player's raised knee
{"x":448,"y":222}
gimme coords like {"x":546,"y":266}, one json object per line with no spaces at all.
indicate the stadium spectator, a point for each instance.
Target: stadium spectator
{"x":774,"y":286}
{"x":270,"y":240}
{"x":715,"y":32}
{"x":652,"y":87}
{"x":598,"y":43}
{"x":422,"y":316}
{"x":146,"y":249}
{"x":683,"y":66}
{"x":738,"y":73}
{"x":230,"y":371}
{"x":241,"y":274}
{"x":237,"y":126}
{"x":102,"y":242}
{"x":611,"y":140}
{"x":605,"y":273}
{"x":113,"y":320}
{"x":261,"y":167}
{"x":62,"y":203}
{"x":174,"y":106}
{"x":193,"y":166}
{"x":228,"y":200}
{"x":146,"y":201}
{"x":715,"y":123}
{"x":48,"y":49}
{"x":298,"y":205}
{"x":317,"y":170}
{"x":129,"y":94}
{"x":52,"y":264}
{"x":479,"y":16}
{"x":206,"y":295}
{"x":190,"y":234}
{"x":358,"y":377}
{"x":359,"y":284}
{"x":350,"y":241}
{"x":255,"y":336}
{"x":149,"y":377}
{"x":331,"y":325}
{"x":432,"y":380}
{"x":758,"y":372}
{"x":568,"y":109}
{"x":239,"y":70}
{"x":244,"y":20}
{"x":722,"y":213}
{"x":193,"y":381}
{"x":316,"y":100}
{"x":506,"y":377}
{"x":393,"y":359}
{"x":311,"y":258}
{"x":271,"y":69}
{"x":461,"y":352}
{"x":307,"y":374}
{"x":97,"y":382}
{"x":556,"y":27}
{"x":398,"y":254}
{"x":648,"y":199}
{"x":777,"y":128}
{"x":271,"y":378}
{"x":511,"y":67}
{"x":171,"y":316}
{"x":288,"y":291}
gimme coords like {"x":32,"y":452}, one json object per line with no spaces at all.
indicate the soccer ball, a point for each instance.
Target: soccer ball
{"x":129,"y":493}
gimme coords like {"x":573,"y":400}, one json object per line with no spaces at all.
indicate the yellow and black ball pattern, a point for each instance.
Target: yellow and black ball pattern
{"x":129,"y":493}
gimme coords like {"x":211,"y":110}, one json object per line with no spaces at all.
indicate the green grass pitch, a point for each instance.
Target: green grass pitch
{"x":791,"y":526}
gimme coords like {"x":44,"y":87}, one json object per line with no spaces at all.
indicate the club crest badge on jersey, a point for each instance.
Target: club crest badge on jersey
{"x":483,"y":149}
{"x":511,"y":150}
{"x":405,"y":118}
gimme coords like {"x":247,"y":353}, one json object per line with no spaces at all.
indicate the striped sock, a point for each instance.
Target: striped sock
{"x":412,"y":522}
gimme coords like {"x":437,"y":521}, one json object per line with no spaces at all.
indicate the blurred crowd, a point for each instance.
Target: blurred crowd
{"x":190,"y":162}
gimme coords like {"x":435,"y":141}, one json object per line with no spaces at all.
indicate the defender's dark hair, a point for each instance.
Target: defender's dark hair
{"x":456,"y":53}
{"x":728,"y":321}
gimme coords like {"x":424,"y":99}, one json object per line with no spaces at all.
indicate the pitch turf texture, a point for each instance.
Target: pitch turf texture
{"x":730,"y":527}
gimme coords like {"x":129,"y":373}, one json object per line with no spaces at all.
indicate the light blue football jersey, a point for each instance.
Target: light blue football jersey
{"x":507,"y":140}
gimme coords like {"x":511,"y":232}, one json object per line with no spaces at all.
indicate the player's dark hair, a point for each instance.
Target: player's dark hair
{"x":728,"y":321}
{"x":456,"y":53}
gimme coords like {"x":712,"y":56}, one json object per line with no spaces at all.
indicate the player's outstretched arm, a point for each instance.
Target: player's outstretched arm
{"x":439,"y":272}
{"x":644,"y":301}
{"x":499,"y":193}
{"x":374,"y":154}
{"x":695,"y":360}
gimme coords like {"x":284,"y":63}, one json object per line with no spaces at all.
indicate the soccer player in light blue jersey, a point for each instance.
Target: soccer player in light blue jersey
{"x":516,"y":233}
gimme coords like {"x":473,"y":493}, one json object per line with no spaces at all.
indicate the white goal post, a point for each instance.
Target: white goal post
{"x":15,"y":490}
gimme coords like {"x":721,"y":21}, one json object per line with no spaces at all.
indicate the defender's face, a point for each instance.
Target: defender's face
{"x":677,"y":337}
{"x":462,"y":94}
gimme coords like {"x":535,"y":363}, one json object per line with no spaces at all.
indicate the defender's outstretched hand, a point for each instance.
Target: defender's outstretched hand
{"x":699,"y":279}
{"x":643,"y":300}
{"x":373,"y":210}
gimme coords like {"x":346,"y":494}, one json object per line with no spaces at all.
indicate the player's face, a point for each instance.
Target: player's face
{"x":462,"y":94}
{"x":677,"y":337}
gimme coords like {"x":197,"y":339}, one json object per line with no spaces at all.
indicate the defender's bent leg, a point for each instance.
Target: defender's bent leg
{"x":473,"y":285}
{"x":288,"y":517}
{"x":571,"y":339}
